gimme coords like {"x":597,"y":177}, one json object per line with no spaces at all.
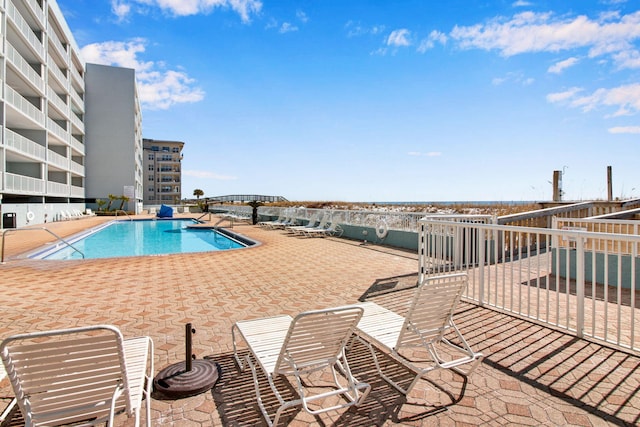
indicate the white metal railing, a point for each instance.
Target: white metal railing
{"x":55,"y":41}
{"x":75,"y":120}
{"x":57,"y":130}
{"x":23,"y":184}
{"x":37,"y":11}
{"x":585,"y":283}
{"x":56,"y":72}
{"x":77,"y":168}
{"x":20,"y":103}
{"x":76,"y":75}
{"x":77,"y":145}
{"x":25,"y":69}
{"x":57,"y":188}
{"x":77,"y":101}
{"x":615,"y":226}
{"x":24,"y":145}
{"x":23,"y":27}
{"x":77,"y":191}
{"x":57,"y":159}
{"x":55,"y":99}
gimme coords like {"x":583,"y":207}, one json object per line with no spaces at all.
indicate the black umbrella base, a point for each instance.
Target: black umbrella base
{"x":176,"y":382}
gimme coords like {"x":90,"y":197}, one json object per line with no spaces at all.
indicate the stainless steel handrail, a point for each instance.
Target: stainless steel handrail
{"x":125,"y":212}
{"x":4,"y":233}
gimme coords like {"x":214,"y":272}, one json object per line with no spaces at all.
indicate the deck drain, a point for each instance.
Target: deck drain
{"x":188,"y":378}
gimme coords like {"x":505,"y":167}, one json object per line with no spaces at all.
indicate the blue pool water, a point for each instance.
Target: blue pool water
{"x":141,"y":237}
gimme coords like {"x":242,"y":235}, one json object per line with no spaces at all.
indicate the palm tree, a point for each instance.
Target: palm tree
{"x":198,"y":192}
{"x":111,"y":199}
{"x":123,"y":200}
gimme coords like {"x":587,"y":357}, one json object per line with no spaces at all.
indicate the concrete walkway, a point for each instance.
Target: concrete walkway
{"x":531,"y":375}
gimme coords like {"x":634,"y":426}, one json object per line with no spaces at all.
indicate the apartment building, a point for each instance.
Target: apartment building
{"x":68,"y":137}
{"x":42,"y":108}
{"x":162,"y":172}
{"x":114,"y":137}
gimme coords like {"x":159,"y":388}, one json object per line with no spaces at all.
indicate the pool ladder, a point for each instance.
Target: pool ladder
{"x":35,"y":229}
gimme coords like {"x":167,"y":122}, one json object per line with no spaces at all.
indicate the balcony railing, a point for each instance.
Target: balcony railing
{"x":77,"y":145}
{"x":57,"y":160}
{"x":55,"y":41}
{"x":57,"y":189}
{"x":24,"y":145}
{"x":57,"y":72}
{"x":23,"y":28}
{"x":75,"y":120}
{"x":23,"y":184}
{"x":53,"y":97}
{"x":25,"y":69}
{"x":57,"y":130}
{"x":37,"y":11}
{"x":77,"y":191}
{"x":21,"y":104}
{"x":77,"y":168}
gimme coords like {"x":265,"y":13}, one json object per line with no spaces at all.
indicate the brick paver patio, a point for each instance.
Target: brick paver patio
{"x":531,"y":375}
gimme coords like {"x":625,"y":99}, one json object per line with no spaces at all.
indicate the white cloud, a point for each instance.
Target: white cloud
{"x":399,"y":38}
{"x":244,"y":8}
{"x":560,"y":97}
{"x":624,"y":99}
{"x":287,"y":27}
{"x":429,"y":42}
{"x":208,"y":175}
{"x":515,"y":77}
{"x":158,"y":88}
{"x":354,"y":29}
{"x":120,"y":9}
{"x":302,"y":16}
{"x":625,"y":129}
{"x":560,"y":66}
{"x":543,"y":32}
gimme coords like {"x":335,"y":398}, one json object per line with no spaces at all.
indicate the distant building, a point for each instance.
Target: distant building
{"x":113,"y":136}
{"x":162,"y":172}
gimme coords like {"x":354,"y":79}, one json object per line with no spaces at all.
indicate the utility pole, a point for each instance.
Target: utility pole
{"x":609,"y":184}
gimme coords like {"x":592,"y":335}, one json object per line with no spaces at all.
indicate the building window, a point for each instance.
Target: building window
{"x":151,"y":168}
{"x":165,"y":149}
{"x":155,"y":148}
{"x":176,"y":149}
{"x":150,"y":177}
{"x":151,"y":156}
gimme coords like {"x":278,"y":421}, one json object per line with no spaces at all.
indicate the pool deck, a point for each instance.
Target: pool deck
{"x":531,"y":375}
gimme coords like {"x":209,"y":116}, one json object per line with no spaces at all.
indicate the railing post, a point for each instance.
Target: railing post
{"x":580,"y":286}
{"x":481,"y":263}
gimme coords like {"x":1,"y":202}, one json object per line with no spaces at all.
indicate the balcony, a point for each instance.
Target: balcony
{"x":24,"y":145}
{"x":21,"y":105}
{"x":56,"y":72}
{"x":23,"y":184}
{"x":56,"y":159}
{"x":24,"y":69}
{"x":23,"y":28}
{"x":56,"y":130}
{"x":57,"y":102}
{"x":77,"y":168}
{"x":57,"y":189}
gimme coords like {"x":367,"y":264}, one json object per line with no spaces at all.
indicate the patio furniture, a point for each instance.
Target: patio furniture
{"x":84,"y":374}
{"x":428,"y":325}
{"x":295,"y":347}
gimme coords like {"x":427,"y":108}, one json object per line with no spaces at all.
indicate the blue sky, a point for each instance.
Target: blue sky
{"x":383,"y":100}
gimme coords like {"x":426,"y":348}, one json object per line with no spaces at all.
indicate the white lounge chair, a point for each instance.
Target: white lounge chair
{"x":428,"y":325}
{"x":294,"y":347}
{"x":313,"y":222}
{"x":81,"y":374}
{"x":333,"y":229}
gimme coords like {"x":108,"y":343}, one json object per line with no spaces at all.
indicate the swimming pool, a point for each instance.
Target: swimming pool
{"x":140,"y":237}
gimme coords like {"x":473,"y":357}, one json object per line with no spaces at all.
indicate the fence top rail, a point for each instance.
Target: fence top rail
{"x":599,"y":220}
{"x":536,"y":230}
{"x":544,"y":212}
{"x":618,"y":215}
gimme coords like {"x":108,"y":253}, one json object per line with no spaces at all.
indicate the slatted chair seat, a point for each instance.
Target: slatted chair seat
{"x":425,"y":326}
{"x":294,"y":347}
{"x":86,"y":374}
